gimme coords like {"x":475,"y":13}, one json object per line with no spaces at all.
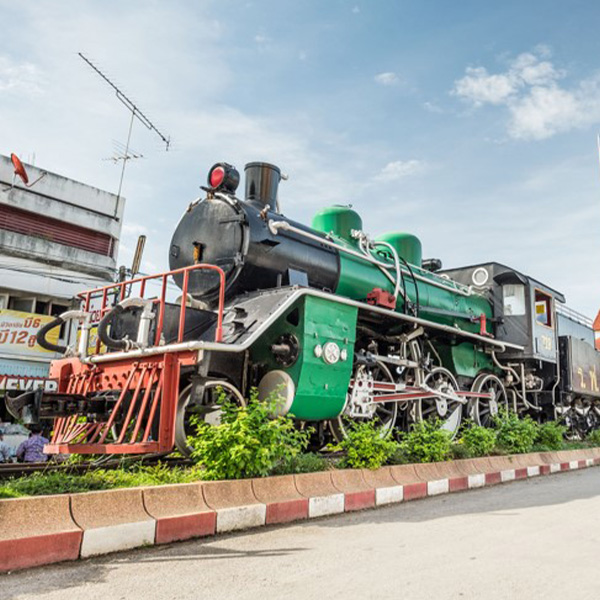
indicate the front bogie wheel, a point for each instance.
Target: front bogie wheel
{"x":207,"y":408}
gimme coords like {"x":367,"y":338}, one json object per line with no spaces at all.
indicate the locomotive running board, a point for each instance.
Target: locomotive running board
{"x":292,"y":295}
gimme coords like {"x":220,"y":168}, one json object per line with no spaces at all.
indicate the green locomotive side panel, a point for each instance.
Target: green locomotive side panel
{"x":444,"y":306}
{"x":321,"y":388}
{"x":466,"y":360}
{"x":358,"y":278}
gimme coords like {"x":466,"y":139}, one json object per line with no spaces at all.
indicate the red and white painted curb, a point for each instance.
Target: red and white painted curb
{"x":83,"y":525}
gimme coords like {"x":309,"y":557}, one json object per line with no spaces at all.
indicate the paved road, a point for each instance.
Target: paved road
{"x":533,"y":539}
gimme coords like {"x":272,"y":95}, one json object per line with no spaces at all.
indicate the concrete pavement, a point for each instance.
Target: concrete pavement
{"x":538,"y":538}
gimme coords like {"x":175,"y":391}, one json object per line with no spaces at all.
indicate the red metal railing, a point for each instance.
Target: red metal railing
{"x":145,"y":390}
{"x":123,"y":288}
{"x":147,"y":396}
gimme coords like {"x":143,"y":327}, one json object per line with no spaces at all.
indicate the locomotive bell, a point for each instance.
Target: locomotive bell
{"x":262,"y":183}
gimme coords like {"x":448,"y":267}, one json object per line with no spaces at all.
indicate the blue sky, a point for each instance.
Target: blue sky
{"x":470,"y":124}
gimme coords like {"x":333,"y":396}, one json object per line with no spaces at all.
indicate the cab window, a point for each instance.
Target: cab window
{"x":513,"y":297}
{"x":543,"y":308}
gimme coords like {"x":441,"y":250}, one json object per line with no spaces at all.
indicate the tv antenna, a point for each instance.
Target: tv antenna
{"x":136,"y":113}
{"x":123,"y":153}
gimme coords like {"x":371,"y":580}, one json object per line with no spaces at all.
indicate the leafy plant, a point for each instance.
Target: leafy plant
{"x":594,"y":437}
{"x":308,"y":462}
{"x":365,"y":446}
{"x":427,"y":442}
{"x":459,"y":451}
{"x":249,"y":442}
{"x":478,"y":441}
{"x":400,"y":456}
{"x":515,"y":435}
{"x":550,"y":435}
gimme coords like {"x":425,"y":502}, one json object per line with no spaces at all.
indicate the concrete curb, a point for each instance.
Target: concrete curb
{"x":387,"y":490}
{"x":358,"y":494}
{"x":180,"y":512}
{"x":283,"y":500}
{"x":37,"y":531}
{"x":235,"y":504}
{"x":112,"y":520}
{"x":46,"y":529}
{"x":413,"y":486}
{"x":323,"y":497}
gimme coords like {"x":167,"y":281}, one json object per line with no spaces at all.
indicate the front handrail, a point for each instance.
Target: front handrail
{"x":121,"y":287}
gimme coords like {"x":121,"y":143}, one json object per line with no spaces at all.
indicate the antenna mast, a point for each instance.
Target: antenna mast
{"x":136,"y":113}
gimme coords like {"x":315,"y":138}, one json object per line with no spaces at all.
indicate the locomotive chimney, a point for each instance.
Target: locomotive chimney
{"x":262,"y":182}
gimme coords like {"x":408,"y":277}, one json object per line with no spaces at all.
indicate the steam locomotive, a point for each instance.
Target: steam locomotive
{"x":337,"y":325}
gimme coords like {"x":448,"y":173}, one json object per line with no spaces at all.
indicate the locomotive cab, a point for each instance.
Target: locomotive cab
{"x":524,"y":309}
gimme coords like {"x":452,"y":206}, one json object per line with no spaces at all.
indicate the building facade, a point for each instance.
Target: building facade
{"x":57,"y":238}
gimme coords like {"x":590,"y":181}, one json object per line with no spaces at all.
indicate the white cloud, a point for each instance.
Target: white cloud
{"x":260,"y":39}
{"x":356,"y":10}
{"x":432,"y":107}
{"x":528,"y":69}
{"x":401,"y":169}
{"x":134,"y":229}
{"x":538,"y":106}
{"x":387,"y":78}
{"x":480,"y":87}
{"x":544,"y":112}
{"x":23,"y":77}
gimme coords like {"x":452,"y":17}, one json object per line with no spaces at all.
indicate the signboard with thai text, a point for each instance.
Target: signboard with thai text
{"x":18,"y":331}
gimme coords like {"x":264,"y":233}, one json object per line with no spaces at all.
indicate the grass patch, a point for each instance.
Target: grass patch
{"x":65,"y":482}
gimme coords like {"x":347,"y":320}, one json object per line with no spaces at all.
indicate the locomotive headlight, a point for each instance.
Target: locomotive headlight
{"x":331,"y":353}
{"x":223,"y":177}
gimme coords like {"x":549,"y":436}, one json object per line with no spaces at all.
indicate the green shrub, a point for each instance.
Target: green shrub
{"x":427,"y":442}
{"x":593,"y":437}
{"x":459,"y":451}
{"x":8,"y":492}
{"x":365,"y":447}
{"x":478,"y":441}
{"x":249,"y":441}
{"x":400,"y":456}
{"x":515,"y":435}
{"x":308,"y":462}
{"x":550,"y":435}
